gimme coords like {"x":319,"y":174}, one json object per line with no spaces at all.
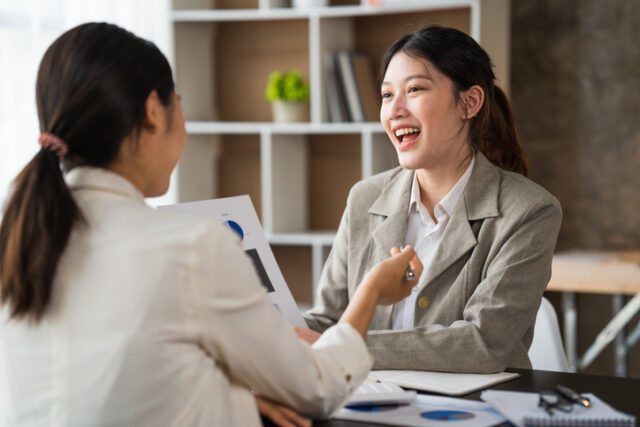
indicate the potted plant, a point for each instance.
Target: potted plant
{"x":288,"y":94}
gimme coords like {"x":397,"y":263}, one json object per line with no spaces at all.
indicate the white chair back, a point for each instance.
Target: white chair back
{"x":546,"y":351}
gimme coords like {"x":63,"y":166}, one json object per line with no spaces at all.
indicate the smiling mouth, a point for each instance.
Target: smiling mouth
{"x":405,"y":135}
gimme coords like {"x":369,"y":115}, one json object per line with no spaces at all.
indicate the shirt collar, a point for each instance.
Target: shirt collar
{"x":448,"y":203}
{"x":101,"y":179}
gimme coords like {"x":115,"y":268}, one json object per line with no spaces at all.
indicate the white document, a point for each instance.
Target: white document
{"x":521,"y":409}
{"x":427,"y":411}
{"x":240,"y":216}
{"x":443,"y":382}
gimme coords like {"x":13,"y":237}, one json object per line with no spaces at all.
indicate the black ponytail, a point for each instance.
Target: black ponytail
{"x":91,"y":91}
{"x":35,"y":229}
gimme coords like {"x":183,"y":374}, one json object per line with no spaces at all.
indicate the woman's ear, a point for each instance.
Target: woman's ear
{"x":472,"y":100}
{"x":154,"y":114}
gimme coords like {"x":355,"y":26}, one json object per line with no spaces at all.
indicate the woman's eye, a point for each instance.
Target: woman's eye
{"x":385,"y":95}
{"x":414,"y":89}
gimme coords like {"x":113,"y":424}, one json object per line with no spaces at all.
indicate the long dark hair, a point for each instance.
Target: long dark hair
{"x":91,"y":91}
{"x":460,"y":58}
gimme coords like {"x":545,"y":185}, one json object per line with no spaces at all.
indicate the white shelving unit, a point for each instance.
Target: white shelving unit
{"x":297,"y":174}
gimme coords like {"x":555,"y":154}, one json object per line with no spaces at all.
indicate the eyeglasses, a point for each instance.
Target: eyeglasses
{"x":562,"y":398}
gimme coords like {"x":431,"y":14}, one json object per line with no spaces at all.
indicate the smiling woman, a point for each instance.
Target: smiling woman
{"x":484,"y":232}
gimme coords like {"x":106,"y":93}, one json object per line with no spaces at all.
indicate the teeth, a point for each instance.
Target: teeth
{"x":406,"y":131}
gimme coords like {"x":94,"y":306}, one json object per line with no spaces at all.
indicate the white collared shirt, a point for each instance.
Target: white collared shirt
{"x":424,"y":234}
{"x":158,"y":318}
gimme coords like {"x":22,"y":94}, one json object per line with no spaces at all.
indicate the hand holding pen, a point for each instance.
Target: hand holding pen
{"x":408,"y":274}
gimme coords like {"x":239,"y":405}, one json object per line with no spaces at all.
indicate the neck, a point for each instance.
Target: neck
{"x":128,"y":165}
{"x":435,"y":183}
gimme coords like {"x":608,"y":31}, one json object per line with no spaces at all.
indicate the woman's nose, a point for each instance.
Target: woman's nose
{"x":398,"y":107}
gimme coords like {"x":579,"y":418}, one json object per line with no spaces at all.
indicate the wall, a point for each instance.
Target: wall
{"x":575,"y":88}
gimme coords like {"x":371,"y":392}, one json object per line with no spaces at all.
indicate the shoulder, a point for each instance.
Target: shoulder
{"x":517,"y":190}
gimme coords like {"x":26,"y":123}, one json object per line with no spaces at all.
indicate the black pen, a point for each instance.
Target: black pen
{"x":573,"y":396}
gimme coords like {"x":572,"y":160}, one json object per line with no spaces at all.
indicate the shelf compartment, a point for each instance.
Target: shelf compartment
{"x":378,"y":154}
{"x":250,"y":51}
{"x":194,"y":66}
{"x":306,"y":180}
{"x":195,"y":172}
{"x":295,"y":264}
{"x":237,"y":168}
{"x":335,"y":165}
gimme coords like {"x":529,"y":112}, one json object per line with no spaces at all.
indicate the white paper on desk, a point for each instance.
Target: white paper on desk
{"x":239,"y":215}
{"x":452,"y":384}
{"x":428,"y":411}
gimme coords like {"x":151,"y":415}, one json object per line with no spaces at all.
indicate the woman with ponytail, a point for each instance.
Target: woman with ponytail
{"x":115,"y":314}
{"x":484,"y":233}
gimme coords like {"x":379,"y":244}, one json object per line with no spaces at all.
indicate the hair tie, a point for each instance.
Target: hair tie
{"x":53,"y":143}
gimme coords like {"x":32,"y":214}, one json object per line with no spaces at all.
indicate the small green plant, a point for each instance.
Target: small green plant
{"x":288,"y":86}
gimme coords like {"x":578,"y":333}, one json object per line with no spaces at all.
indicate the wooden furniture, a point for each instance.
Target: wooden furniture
{"x":298,"y":175}
{"x":613,"y":273}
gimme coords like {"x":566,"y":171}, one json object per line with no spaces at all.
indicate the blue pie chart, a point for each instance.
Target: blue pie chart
{"x":446,"y":415}
{"x":235,"y":227}
{"x":365,"y":408}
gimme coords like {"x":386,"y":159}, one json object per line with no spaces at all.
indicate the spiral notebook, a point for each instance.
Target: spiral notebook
{"x":522,"y":410}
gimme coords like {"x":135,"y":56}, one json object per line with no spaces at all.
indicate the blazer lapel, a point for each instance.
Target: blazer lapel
{"x":478,"y":201}
{"x":388,"y":216}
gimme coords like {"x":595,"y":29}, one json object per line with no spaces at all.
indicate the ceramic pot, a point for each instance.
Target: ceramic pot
{"x":305,"y":4}
{"x":284,"y":111}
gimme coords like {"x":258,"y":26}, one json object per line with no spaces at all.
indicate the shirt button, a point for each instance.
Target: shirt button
{"x":423,"y":302}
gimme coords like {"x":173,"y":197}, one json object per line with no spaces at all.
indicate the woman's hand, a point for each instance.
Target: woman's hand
{"x":387,"y":279}
{"x":385,"y":284}
{"x":280,"y":415}
{"x":306,"y":334}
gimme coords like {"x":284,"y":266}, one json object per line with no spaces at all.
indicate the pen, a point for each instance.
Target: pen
{"x":573,"y":396}
{"x":408,"y":273}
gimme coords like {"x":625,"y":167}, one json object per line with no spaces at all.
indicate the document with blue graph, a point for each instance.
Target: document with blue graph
{"x":240,"y":216}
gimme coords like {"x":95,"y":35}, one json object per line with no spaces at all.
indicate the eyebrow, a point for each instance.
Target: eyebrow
{"x":411,"y":77}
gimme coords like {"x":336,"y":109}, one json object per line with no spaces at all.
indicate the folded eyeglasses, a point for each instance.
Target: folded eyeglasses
{"x":562,"y":398}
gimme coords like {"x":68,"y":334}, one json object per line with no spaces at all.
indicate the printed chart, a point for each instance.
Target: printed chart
{"x":427,"y":410}
{"x":239,"y":215}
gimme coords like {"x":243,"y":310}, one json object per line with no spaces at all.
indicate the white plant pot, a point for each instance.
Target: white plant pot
{"x":305,"y":4}
{"x":287,"y":111}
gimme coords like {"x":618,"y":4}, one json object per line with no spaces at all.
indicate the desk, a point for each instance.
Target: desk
{"x":613,"y":273}
{"x":621,"y":393}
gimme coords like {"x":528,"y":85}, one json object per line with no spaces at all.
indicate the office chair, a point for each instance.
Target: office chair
{"x":546,"y":351}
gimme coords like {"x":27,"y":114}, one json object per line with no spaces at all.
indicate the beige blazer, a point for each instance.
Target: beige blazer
{"x":477,"y":303}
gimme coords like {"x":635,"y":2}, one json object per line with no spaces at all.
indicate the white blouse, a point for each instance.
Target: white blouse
{"x":424,"y":234}
{"x":158,"y":318}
